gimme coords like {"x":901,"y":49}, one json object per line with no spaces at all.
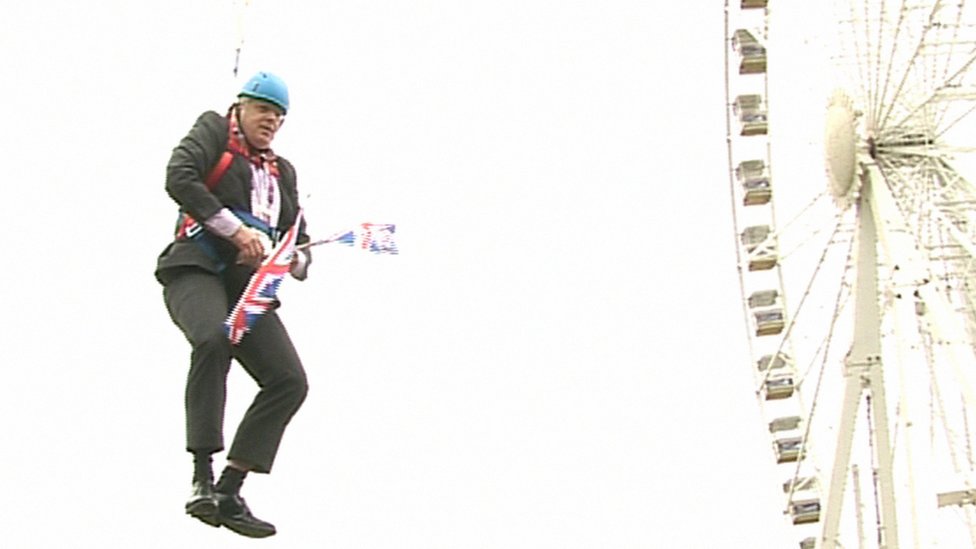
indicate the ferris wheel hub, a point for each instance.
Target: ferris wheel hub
{"x":840,"y":148}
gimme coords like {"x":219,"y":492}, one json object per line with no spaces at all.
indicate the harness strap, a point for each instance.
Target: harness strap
{"x":219,"y":170}
{"x":208,"y":241}
{"x":256,"y":223}
{"x":186,"y":226}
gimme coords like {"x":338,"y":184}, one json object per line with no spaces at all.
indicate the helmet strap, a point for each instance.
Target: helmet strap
{"x":239,"y":142}
{"x":238,"y":128}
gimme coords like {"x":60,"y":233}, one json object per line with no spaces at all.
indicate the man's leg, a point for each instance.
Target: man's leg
{"x":270,"y":358}
{"x":197,"y":304}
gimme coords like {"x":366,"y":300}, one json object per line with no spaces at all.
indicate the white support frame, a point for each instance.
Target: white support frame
{"x":863,"y":371}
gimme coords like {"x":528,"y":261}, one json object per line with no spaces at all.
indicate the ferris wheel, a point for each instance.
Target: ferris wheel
{"x":850,"y":134}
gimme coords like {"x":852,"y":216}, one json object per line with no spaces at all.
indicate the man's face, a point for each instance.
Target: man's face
{"x":260,"y":121}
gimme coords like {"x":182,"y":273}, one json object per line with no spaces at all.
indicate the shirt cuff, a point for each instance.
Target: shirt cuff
{"x":223,"y":223}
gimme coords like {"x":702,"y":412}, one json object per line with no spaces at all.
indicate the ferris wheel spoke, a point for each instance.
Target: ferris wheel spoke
{"x":908,"y":69}
{"x":821,"y":358}
{"x":936,"y":99}
{"x":884,"y":81}
{"x":935,"y":75}
{"x":866,"y":45}
{"x":800,"y":312}
{"x":819,"y":197}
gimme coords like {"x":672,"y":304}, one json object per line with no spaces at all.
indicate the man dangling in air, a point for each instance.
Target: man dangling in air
{"x":236,"y":198}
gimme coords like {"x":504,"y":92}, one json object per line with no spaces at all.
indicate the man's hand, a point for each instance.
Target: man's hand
{"x":250,"y":245}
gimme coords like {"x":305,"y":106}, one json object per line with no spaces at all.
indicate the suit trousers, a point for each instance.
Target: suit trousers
{"x":198,"y":302}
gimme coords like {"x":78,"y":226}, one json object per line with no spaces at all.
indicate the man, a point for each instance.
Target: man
{"x":236,"y":198}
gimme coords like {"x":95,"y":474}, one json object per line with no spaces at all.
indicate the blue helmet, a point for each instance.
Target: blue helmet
{"x":267,"y":87}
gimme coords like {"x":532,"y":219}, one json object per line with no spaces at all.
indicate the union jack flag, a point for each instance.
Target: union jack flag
{"x":374,"y":237}
{"x":378,"y":238}
{"x":262,"y":290}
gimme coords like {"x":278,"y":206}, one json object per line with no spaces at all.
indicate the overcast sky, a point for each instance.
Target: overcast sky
{"x":556,"y":359}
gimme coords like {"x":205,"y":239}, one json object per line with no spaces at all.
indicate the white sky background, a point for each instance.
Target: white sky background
{"x":555,"y":360}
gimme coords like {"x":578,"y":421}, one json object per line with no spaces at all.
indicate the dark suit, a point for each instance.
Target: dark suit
{"x":200,"y":287}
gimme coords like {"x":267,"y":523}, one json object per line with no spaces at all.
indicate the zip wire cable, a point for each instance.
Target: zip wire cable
{"x":240,"y":34}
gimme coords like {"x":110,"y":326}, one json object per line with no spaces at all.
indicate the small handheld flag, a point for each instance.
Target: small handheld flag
{"x":262,"y":290}
{"x":374,"y":237}
{"x":378,"y":238}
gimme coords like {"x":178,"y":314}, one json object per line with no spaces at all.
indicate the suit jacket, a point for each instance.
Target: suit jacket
{"x":191,"y":162}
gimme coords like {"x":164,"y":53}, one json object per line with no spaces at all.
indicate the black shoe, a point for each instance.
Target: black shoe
{"x":234,"y":514}
{"x":202,"y":503}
